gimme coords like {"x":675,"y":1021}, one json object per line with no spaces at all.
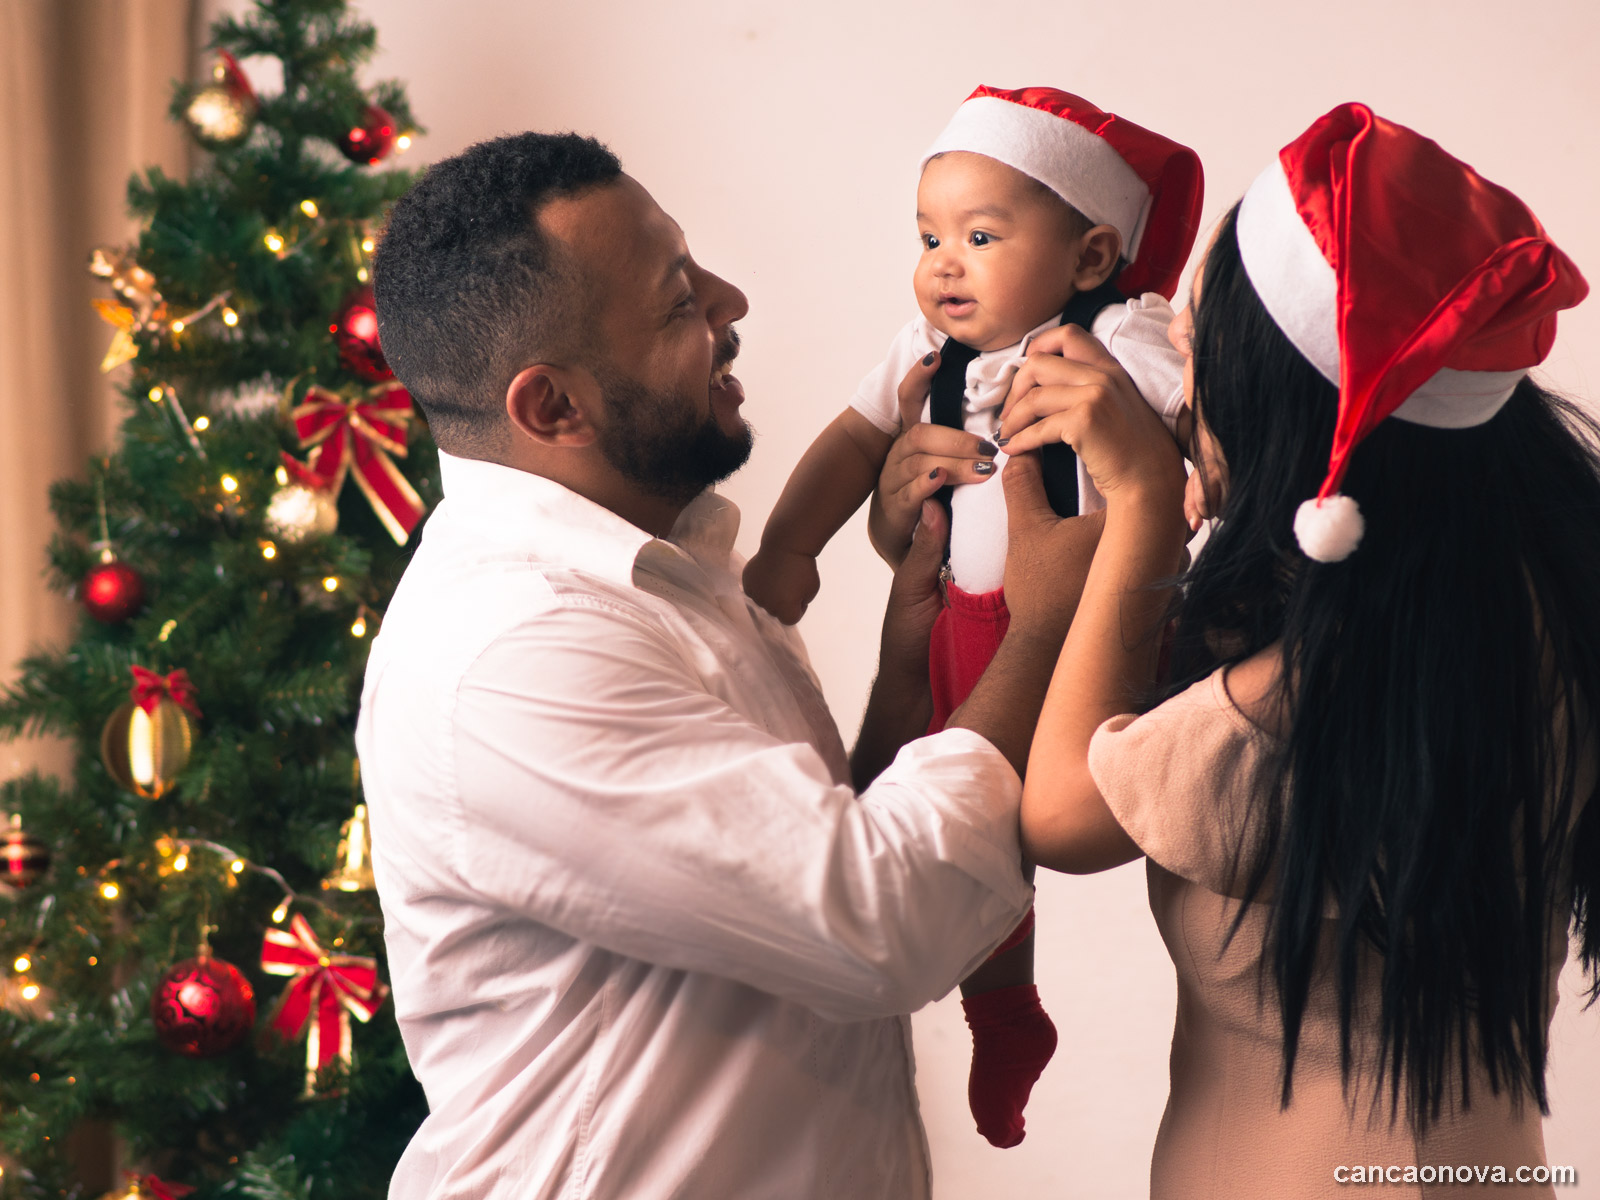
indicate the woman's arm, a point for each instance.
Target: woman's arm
{"x":1109,"y":657}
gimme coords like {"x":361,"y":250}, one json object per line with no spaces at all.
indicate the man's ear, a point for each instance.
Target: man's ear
{"x":1098,"y":251}
{"x":552,"y":405}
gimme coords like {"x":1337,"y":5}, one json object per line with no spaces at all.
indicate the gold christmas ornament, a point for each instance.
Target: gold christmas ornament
{"x":354,"y":873}
{"x":218,"y":117}
{"x":146,"y":742}
{"x":297,"y":513}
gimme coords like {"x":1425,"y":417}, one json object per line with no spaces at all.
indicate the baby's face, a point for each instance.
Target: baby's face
{"x":998,"y":253}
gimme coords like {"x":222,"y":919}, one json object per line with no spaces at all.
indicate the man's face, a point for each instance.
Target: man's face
{"x":664,"y":342}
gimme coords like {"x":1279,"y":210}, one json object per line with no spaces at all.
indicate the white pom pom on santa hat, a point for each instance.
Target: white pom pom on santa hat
{"x":1329,"y":530}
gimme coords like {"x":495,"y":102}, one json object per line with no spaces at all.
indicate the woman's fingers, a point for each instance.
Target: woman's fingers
{"x":914,"y":388}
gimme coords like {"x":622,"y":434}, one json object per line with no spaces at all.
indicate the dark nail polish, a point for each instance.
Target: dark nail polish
{"x":987,"y":448}
{"x":983,"y":468}
{"x":1001,"y":441}
{"x":928,"y":358}
{"x":933,"y":474}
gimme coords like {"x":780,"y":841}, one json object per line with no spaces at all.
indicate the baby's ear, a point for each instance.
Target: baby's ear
{"x":1098,"y":251}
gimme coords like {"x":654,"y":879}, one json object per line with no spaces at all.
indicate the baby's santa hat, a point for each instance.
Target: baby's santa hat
{"x":1112,"y":171}
{"x":1417,"y":287}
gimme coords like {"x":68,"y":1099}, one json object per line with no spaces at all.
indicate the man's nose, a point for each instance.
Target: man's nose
{"x":724,"y":303}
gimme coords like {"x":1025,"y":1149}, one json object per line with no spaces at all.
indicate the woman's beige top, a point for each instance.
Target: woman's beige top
{"x":1181,"y":780}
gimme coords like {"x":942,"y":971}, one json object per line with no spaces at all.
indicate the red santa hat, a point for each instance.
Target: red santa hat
{"x":1416,"y":286}
{"x":1112,"y":171}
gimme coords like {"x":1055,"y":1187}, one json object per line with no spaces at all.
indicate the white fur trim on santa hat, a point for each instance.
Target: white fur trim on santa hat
{"x":1300,"y":292}
{"x":1329,"y":530}
{"x":1077,"y":165}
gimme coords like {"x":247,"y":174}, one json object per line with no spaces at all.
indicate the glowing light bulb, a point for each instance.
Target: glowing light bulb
{"x":403,"y":142}
{"x":331,"y":584}
{"x":363,"y":274}
{"x":177,"y":326}
{"x":202,"y":424}
{"x":229,"y":317}
{"x":156,"y":393}
{"x":279,"y":913}
{"x":181,"y":863}
{"x":269,"y":550}
{"x":309,"y":207}
{"x":358,"y":627}
{"x":93,"y":961}
{"x":23,"y":963}
{"x":230,"y":484}
{"x":110,"y":891}
{"x":31,"y":992}
{"x":236,"y":866}
{"x":281,"y":476}
{"x":368,"y":245}
{"x":274,"y":241}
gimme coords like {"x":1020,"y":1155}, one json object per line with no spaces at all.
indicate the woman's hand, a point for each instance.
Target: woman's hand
{"x":1071,"y":390}
{"x":922,"y":460}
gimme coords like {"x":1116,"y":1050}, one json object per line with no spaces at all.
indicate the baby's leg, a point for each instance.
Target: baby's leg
{"x":1012,"y":1037}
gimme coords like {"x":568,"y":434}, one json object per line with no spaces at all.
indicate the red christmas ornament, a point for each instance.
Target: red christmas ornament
{"x":356,"y":331}
{"x":112,"y":592}
{"x":370,"y":140}
{"x":202,"y":1007}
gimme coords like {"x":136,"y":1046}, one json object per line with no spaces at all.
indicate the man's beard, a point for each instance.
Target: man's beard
{"x":653,"y":440}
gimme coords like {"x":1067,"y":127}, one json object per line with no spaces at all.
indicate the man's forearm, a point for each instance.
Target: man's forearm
{"x":1004,"y":706}
{"x":898,"y":711}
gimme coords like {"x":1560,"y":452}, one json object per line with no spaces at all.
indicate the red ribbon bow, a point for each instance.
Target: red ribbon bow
{"x":327,"y":990}
{"x":163,"y":1190}
{"x":150,"y":689}
{"x":360,"y":433}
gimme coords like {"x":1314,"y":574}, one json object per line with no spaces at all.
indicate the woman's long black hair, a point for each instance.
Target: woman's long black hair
{"x":1443,"y":691}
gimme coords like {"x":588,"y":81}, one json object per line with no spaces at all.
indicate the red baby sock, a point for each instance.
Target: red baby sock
{"x":1012,"y":1040}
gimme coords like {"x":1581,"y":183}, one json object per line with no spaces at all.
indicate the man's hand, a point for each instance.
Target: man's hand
{"x":1047,"y":556}
{"x":922,"y":460}
{"x":901,"y":703}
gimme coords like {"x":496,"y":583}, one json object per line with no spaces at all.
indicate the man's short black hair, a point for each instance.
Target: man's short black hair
{"x":469,"y":291}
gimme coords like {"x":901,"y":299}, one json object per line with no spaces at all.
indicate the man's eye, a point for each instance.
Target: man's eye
{"x":978,"y":238}
{"x":929,"y":242}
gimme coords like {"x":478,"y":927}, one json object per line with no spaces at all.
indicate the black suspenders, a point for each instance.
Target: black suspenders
{"x":950,"y":384}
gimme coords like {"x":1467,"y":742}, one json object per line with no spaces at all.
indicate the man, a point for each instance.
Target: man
{"x":645,"y":938}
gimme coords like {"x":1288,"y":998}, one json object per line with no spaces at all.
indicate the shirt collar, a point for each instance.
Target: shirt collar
{"x":551,"y":523}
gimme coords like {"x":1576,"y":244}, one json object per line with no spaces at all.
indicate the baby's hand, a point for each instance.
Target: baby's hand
{"x":782,"y":581}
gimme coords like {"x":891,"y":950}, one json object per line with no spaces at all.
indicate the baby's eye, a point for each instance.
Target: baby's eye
{"x":978,"y":238}
{"x":929,"y":242}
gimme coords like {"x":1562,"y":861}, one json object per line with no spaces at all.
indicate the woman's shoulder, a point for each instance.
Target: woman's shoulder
{"x":1188,"y":779}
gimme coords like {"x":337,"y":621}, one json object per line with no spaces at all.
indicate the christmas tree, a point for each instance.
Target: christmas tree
{"x":234,"y":557}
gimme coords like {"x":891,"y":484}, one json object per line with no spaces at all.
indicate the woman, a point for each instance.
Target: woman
{"x":1366,"y":801}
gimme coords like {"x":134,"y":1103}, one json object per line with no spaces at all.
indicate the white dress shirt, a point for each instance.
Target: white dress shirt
{"x":645,"y":941}
{"x":1135,"y":334}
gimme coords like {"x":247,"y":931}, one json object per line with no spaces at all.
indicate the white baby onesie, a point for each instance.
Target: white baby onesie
{"x":1135,"y":333}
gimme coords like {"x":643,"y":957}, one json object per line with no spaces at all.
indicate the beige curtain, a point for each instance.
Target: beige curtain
{"x":84,"y":88}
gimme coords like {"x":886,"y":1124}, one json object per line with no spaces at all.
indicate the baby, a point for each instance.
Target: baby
{"x":1034,"y":209}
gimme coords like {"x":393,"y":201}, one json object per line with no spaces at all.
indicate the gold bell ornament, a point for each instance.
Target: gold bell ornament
{"x":146,"y":742}
{"x":354,"y":873}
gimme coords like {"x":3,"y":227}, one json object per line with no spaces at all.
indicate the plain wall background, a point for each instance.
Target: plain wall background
{"x":784,"y":138}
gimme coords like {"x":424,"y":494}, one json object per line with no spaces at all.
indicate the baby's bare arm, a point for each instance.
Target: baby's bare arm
{"x":833,"y":478}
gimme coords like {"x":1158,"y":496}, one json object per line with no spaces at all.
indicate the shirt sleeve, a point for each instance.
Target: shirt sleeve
{"x":603,"y":790}
{"x":1185,"y":781}
{"x":877,"y":397}
{"x":1136,"y":335}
